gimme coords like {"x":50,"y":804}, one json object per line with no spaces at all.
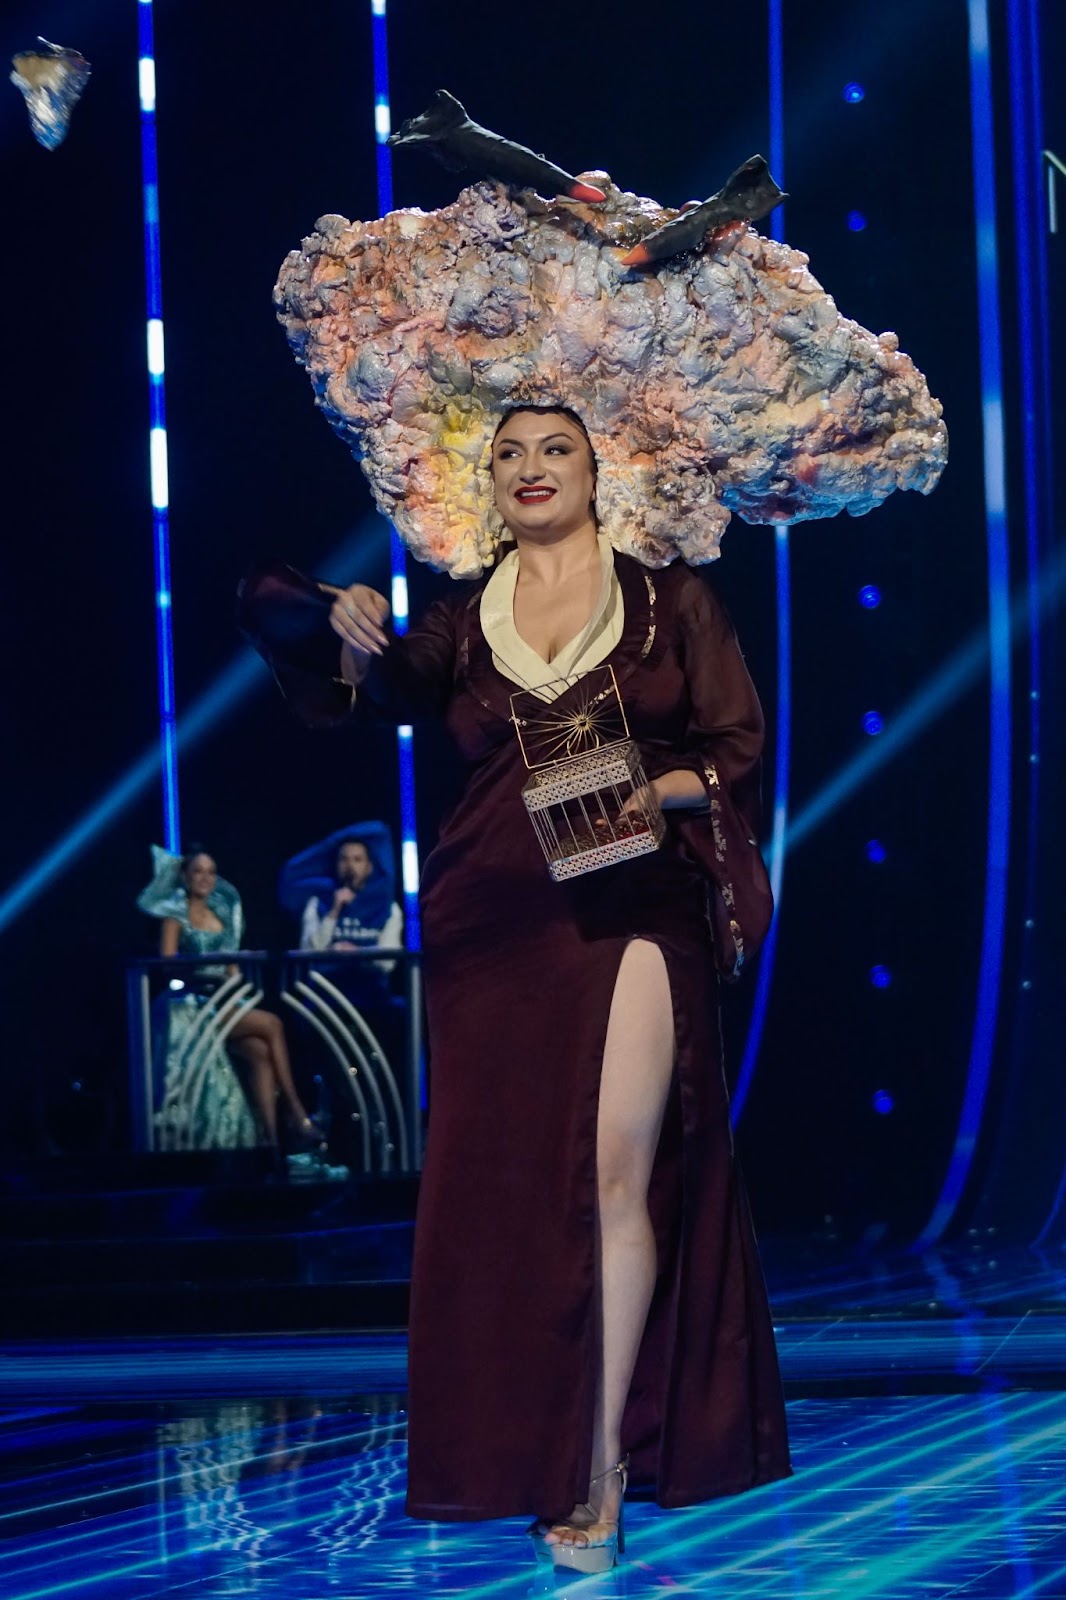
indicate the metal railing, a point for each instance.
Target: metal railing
{"x":358,"y":1033}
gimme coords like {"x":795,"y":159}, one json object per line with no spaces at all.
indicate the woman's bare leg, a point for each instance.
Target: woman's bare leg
{"x":638,"y":1062}
{"x":268,"y":1029}
{"x":262,"y":1089}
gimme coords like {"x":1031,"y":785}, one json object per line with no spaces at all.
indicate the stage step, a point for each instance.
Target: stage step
{"x":168,"y":1309}
{"x":188,"y":1244}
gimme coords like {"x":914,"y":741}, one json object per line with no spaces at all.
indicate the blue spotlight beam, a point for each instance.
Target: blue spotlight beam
{"x":1027,"y":123}
{"x":405,"y":751}
{"x":783,"y":745}
{"x":243,"y":675}
{"x":945,"y":688}
{"x":780,"y":836}
{"x":157,"y":431}
{"x":999,"y":631}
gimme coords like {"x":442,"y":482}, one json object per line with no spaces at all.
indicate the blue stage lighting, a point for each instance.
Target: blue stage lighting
{"x":954,"y":679}
{"x":400,"y":614}
{"x":382,"y":111}
{"x":1036,"y":353}
{"x":870,"y":596}
{"x":876,"y":852}
{"x":993,"y":929}
{"x":853,"y":93}
{"x":873,"y":723}
{"x":157,"y":436}
{"x":405,"y":743}
{"x":244,"y":674}
{"x":880,"y":977}
{"x":856,"y":221}
{"x":883,"y":1102}
{"x":779,"y":838}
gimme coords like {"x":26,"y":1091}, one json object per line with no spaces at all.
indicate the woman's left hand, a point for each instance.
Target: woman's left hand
{"x":675,"y":791}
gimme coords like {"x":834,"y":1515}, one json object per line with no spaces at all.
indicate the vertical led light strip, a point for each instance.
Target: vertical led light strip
{"x":405,"y":737}
{"x":784,"y":629}
{"x":1026,"y":121}
{"x":1026,"y":116}
{"x":1027,"y":130}
{"x":157,"y":435}
{"x":996,"y":530}
{"x":382,"y":113}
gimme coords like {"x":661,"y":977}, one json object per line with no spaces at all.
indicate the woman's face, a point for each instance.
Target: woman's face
{"x":201,"y":875}
{"x":543,"y":474}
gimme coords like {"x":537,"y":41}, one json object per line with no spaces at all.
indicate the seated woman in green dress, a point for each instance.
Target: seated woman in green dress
{"x":203,"y":1104}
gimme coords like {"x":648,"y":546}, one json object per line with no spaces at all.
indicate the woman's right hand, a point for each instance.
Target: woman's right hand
{"x":358,"y":615}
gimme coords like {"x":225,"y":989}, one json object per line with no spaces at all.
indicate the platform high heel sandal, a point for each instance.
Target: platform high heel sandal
{"x":599,"y":1555}
{"x":538,"y":1532}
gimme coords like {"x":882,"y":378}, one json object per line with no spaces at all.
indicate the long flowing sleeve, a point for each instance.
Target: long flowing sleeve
{"x":285,"y":616}
{"x":722,"y":744}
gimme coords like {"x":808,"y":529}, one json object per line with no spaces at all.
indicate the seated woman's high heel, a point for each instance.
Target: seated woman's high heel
{"x":303,"y":1134}
{"x":595,"y":1555}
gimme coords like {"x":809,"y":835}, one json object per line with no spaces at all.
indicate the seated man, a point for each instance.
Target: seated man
{"x":343,"y":889}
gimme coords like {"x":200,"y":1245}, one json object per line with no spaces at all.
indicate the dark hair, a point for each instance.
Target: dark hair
{"x":192,"y":852}
{"x":190,"y":856}
{"x":549,"y":411}
{"x":351,"y":838}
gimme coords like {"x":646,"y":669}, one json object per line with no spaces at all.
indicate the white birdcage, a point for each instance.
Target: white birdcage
{"x":587,"y":795}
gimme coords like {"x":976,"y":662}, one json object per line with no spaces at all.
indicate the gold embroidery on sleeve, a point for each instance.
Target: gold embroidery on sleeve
{"x":650,"y":640}
{"x":725,"y":888}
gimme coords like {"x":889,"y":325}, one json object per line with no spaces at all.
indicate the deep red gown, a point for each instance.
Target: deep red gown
{"x":519,"y":974}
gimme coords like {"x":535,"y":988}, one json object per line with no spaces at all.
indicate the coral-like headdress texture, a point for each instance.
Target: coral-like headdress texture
{"x":724,"y":380}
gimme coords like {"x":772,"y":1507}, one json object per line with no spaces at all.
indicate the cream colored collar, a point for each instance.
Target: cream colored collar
{"x":517,"y":660}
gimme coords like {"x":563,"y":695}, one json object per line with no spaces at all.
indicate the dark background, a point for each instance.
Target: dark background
{"x":265,"y":122}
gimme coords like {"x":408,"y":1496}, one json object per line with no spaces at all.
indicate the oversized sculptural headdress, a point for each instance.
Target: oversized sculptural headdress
{"x":712,"y":372}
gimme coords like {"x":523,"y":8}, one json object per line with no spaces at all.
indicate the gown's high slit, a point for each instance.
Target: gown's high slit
{"x":519,"y":977}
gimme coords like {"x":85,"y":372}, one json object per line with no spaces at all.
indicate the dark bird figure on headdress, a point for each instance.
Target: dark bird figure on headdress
{"x":747,"y":194}
{"x":448,"y":133}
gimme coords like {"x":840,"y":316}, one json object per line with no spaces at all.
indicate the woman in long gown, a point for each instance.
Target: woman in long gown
{"x":201,"y":914}
{"x":586,"y":1285}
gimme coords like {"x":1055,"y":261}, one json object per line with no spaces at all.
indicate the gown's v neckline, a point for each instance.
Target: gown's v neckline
{"x":516,"y":658}
{"x":493,"y":689}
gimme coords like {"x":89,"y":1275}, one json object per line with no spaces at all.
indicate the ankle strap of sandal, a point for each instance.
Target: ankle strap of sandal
{"x":621,"y":1467}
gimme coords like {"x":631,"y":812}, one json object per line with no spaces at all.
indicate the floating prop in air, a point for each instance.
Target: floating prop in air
{"x":52,"y":81}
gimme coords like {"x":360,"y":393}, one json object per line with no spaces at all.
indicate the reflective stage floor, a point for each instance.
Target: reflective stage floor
{"x":300,"y":1494}
{"x":927,"y":1406}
